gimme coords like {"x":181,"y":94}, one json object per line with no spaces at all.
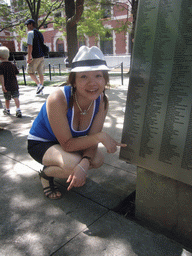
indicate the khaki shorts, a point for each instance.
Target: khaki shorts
{"x":37,"y":64}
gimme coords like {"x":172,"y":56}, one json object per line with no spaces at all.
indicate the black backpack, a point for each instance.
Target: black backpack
{"x":44,"y":47}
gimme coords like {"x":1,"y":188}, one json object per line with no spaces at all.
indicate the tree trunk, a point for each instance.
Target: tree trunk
{"x":72,"y":44}
{"x":71,"y":30}
{"x":73,"y":14}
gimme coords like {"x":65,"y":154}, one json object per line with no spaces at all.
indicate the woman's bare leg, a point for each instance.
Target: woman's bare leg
{"x":98,"y":160}
{"x":60,"y":164}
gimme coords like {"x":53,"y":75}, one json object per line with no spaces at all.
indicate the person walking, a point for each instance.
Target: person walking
{"x":35,"y":58}
{"x":65,"y":135}
{"x":8,"y":80}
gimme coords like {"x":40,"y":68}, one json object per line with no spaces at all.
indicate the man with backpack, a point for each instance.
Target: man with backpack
{"x":35,"y":58}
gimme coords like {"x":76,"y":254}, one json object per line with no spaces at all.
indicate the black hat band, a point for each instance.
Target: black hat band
{"x":84,"y":63}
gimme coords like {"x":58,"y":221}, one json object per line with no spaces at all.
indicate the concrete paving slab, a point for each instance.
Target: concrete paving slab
{"x":31,"y":224}
{"x":113,"y":235}
{"x":107,"y":186}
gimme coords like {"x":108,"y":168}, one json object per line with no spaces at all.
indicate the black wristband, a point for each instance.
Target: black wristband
{"x":88,"y":158}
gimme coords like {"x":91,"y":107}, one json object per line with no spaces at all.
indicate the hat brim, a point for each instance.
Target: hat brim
{"x":90,"y":68}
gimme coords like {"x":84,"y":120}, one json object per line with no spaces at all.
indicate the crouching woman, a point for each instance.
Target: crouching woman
{"x":65,"y":135}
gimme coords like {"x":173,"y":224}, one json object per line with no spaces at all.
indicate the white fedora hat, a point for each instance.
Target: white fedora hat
{"x":89,"y":59}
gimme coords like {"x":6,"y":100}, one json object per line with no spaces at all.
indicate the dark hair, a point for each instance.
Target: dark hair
{"x":71,"y":81}
{"x":30,"y":21}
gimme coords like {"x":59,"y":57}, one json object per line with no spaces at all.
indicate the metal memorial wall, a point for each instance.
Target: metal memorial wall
{"x":158,"y":118}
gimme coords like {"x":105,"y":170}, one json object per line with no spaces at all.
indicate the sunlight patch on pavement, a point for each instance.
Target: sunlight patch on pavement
{"x":23,"y":170}
{"x":119,"y":126}
{"x":19,"y":201}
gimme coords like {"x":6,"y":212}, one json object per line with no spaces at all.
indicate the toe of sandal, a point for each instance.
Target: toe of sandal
{"x":52,"y":188}
{"x":48,"y":191}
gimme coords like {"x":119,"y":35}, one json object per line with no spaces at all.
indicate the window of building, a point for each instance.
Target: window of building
{"x":106,"y":6}
{"x":107,"y":44}
{"x":60,"y":47}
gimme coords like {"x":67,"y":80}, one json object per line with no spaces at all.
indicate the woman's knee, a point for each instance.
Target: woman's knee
{"x":55,"y":156}
{"x":70,"y":161}
{"x":98,"y":160}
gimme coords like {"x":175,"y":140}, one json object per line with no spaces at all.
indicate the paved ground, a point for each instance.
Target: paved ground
{"x":81,"y":223}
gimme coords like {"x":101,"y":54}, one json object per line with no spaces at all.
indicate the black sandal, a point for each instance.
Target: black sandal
{"x":52,"y":188}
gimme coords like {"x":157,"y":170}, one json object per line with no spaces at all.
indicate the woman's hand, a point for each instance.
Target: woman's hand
{"x":77,"y":178}
{"x":109,"y":143}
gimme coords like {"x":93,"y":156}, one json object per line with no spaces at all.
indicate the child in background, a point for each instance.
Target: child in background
{"x":8,"y":80}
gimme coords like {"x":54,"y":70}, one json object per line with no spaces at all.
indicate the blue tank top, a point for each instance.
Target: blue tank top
{"x":41,"y":129}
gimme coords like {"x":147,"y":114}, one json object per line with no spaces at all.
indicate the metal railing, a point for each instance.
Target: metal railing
{"x":58,"y":67}
{"x":119,"y":66}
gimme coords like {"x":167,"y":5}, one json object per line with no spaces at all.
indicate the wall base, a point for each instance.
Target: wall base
{"x":164,"y":204}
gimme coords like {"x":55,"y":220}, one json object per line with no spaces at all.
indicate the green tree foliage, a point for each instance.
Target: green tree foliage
{"x":9,"y":17}
{"x":91,"y":23}
{"x":96,"y":12}
{"x":14,"y":16}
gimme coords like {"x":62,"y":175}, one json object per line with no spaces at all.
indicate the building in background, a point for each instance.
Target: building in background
{"x":118,"y":43}
{"x":6,"y":39}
